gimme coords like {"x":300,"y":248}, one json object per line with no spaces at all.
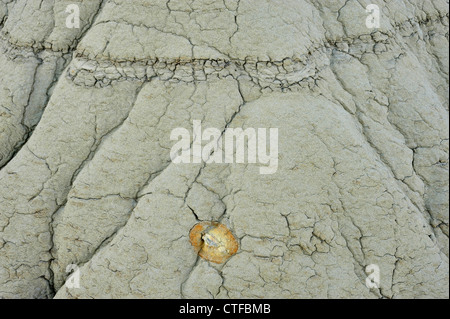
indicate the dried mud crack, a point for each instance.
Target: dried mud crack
{"x":87,"y":178}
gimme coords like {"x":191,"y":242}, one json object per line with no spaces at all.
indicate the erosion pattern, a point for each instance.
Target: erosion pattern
{"x":86,"y":177}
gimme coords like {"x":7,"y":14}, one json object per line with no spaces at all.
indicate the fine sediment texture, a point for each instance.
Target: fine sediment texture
{"x":86,"y":176}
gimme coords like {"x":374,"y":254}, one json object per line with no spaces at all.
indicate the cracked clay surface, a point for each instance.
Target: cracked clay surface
{"x":86,"y":176}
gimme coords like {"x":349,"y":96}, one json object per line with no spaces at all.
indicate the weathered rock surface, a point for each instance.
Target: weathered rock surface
{"x":86,"y":176}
